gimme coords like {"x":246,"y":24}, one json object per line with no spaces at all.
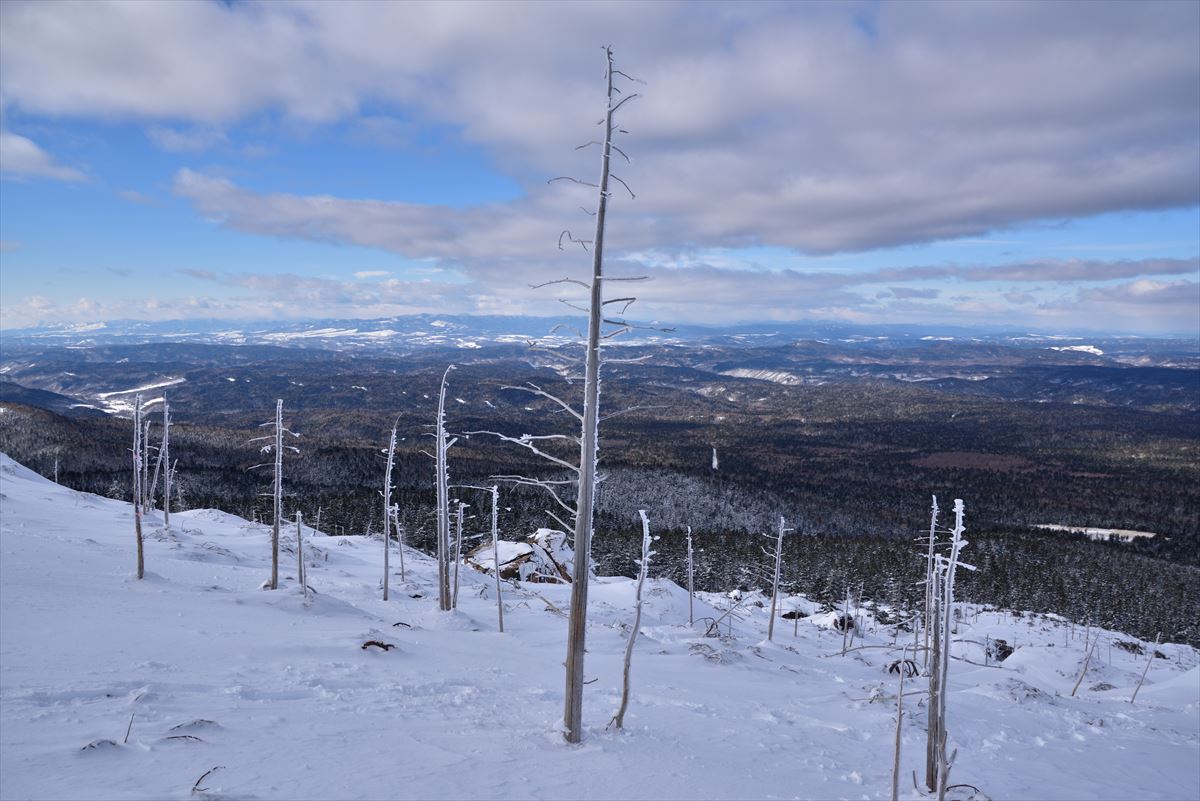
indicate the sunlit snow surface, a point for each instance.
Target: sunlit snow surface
{"x":279,"y":692}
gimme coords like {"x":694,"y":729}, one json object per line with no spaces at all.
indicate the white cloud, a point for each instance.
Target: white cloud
{"x":371,"y":274}
{"x":185,"y":141}
{"x":774,"y":124}
{"x":20,"y":156}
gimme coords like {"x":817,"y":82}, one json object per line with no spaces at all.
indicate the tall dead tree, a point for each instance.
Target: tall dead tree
{"x":165,"y":453}
{"x":929,"y":575}
{"x":496,"y":553}
{"x":774,"y":581}
{"x":276,"y":446}
{"x":938,"y":763}
{"x":582,"y":475}
{"x":387,"y":505}
{"x":163,"y":461}
{"x":137,"y":483}
{"x":589,"y":442}
{"x":444,"y":443}
{"x":147,"y":499}
{"x":691,"y":590}
{"x":494,"y":492}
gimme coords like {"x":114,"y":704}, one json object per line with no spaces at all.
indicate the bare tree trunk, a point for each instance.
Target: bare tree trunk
{"x":589,"y":445}
{"x":1083,"y":672}
{"x":1149,"y":662}
{"x":775,"y":582}
{"x":137,"y":484}
{"x":929,"y":576}
{"x":691,"y":590}
{"x":387,"y":507}
{"x":146,"y":466}
{"x":399,"y":539}
{"x":277,"y":493}
{"x":165,"y":453}
{"x":619,"y":718}
{"x":457,"y":554}
{"x":935,"y":661}
{"x":300,"y":577}
{"x":496,"y":553}
{"x":443,"y":501}
{"x":847,"y":622}
{"x":899,"y":721}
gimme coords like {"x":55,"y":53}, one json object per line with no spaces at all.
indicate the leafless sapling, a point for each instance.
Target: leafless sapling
{"x":300,"y":568}
{"x":1149,"y":662}
{"x":618,"y":719}
{"x":276,"y":446}
{"x":458,"y":551}
{"x":399,"y":538}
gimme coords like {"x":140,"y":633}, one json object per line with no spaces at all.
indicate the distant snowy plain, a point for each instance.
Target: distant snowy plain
{"x":195,"y":667}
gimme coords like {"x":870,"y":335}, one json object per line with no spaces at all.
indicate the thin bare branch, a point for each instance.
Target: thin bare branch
{"x":583,"y":243}
{"x":534,"y":389}
{"x":637,"y":408}
{"x":548,"y":486}
{"x":558,"y":520}
{"x":627,"y":301}
{"x":527,"y":441}
{"x":621,"y":181}
{"x":573,"y":180}
{"x":572,"y":305}
{"x":625,"y":100}
{"x":562,"y":281}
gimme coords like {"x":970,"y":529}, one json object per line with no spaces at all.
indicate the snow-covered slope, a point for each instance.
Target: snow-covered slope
{"x":212,"y":671}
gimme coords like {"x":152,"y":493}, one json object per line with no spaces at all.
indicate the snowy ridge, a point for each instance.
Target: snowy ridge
{"x":204,"y":669}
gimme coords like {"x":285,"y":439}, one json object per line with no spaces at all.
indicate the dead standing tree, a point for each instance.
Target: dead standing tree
{"x":618,"y":718}
{"x":277,"y":447}
{"x":494,"y":492}
{"x":444,"y":443}
{"x":582,"y":475}
{"x":137,"y":483}
{"x":774,"y":581}
{"x":589,"y":442}
{"x":387,"y":505}
{"x":938,"y":764}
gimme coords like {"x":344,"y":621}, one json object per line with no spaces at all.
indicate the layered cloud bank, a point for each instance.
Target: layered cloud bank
{"x":804,"y":129}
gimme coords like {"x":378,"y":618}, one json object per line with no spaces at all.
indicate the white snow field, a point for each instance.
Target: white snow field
{"x":279,"y":692}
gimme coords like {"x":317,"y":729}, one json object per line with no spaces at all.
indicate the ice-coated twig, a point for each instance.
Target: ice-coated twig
{"x":573,"y":180}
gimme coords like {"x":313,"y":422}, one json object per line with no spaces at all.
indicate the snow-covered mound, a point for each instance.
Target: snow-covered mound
{"x":112,"y":687}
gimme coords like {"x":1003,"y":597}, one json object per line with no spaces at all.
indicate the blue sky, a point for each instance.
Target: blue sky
{"x":945,"y":162}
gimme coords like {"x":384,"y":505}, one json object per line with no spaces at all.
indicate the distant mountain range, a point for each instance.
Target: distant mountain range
{"x":405,"y":333}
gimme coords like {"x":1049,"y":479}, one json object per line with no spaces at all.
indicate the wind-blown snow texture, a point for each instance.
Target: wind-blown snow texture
{"x":282,"y":695}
